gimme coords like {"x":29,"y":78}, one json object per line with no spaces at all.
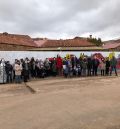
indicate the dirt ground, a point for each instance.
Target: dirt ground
{"x":74,"y":103}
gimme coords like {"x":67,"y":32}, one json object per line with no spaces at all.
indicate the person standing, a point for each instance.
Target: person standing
{"x":74,"y":65}
{"x":3,"y":77}
{"x":89,"y":66}
{"x":47,"y":67}
{"x":9,"y":72}
{"x":65,"y":67}
{"x":113,"y":64}
{"x":84,"y":67}
{"x":102,"y":67}
{"x":70,"y":69}
{"x":59,"y":65}
{"x":25,"y":70}
{"x":32,"y":67}
{"x":81,"y":65}
{"x":42,"y":69}
{"x":107,"y":66}
{"x":18,"y":72}
{"x":74,"y":62}
{"x":37,"y":68}
{"x":95,"y":64}
{"x":54,"y":67}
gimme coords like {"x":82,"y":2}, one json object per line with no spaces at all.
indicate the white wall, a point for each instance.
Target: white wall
{"x":11,"y":55}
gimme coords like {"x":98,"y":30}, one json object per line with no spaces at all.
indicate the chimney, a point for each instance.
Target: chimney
{"x":90,"y":36}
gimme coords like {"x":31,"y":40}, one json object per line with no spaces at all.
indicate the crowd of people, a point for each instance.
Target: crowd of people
{"x":24,"y":69}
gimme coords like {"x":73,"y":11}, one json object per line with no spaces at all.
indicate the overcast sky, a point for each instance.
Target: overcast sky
{"x":61,"y":18}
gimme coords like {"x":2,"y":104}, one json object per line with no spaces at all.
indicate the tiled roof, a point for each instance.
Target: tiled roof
{"x":112,"y":44}
{"x":39,"y":41}
{"x":77,"y":42}
{"x":15,"y":39}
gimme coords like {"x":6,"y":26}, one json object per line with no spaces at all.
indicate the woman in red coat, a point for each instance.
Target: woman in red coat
{"x":59,"y":65}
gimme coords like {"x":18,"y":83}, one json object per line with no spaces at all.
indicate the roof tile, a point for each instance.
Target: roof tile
{"x":15,"y":39}
{"x":67,"y":43}
{"x":112,"y":44}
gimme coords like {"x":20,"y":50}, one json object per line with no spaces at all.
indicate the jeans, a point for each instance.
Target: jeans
{"x":9,"y":78}
{"x":95,"y":68}
{"x":18,"y":78}
{"x":107,"y":70}
{"x":113,"y":68}
{"x":89,"y":72}
{"x":102,"y":72}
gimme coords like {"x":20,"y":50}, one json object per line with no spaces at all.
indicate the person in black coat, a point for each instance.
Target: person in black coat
{"x":9,"y":72}
{"x":74,"y":61}
{"x":32,"y":67}
{"x":107,"y":66}
{"x":89,"y":66}
{"x":25,"y":66}
{"x":95,"y":64}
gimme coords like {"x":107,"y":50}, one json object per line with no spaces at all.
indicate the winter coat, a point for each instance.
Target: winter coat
{"x":84,"y":64}
{"x":113,"y":62}
{"x":74,"y":62}
{"x":54,"y":68}
{"x":8,"y":69}
{"x":95,"y":63}
{"x":89,"y":63}
{"x":59,"y":63}
{"x":47,"y":64}
{"x":65,"y":66}
{"x":102,"y":65}
{"x":18,"y":69}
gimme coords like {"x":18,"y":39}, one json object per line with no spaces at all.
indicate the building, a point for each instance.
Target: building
{"x":76,"y":44}
{"x":14,"y":42}
{"x":112,"y":45}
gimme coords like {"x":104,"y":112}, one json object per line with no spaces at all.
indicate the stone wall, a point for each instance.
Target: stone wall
{"x":10,"y":47}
